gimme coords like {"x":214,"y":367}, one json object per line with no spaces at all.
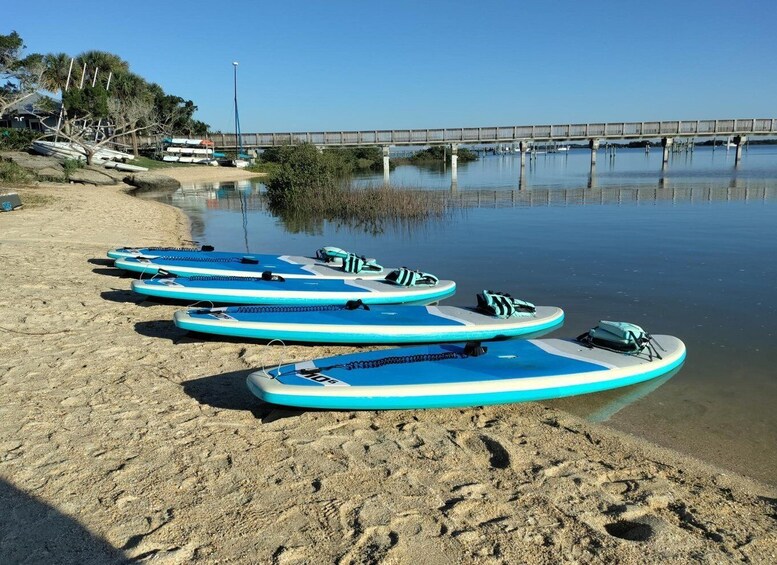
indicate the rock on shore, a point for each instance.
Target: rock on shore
{"x":52,"y":169}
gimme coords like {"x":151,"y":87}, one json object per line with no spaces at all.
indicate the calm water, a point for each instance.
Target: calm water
{"x":691,"y":252}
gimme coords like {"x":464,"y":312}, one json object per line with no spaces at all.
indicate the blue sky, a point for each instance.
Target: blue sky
{"x":345,"y":65}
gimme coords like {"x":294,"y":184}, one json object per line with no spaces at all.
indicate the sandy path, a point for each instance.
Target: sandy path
{"x":204,"y":173}
{"x":121,"y":436}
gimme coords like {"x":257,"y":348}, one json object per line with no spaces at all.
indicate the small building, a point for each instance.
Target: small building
{"x":37,"y":113}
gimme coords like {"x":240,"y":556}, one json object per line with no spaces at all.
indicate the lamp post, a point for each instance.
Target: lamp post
{"x":238,"y":148}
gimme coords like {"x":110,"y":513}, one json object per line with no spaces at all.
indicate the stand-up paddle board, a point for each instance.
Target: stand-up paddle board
{"x":274,"y":289}
{"x":331,"y":262}
{"x":460,"y":374}
{"x":152,"y":252}
{"x":244,"y":266}
{"x":356,"y":322}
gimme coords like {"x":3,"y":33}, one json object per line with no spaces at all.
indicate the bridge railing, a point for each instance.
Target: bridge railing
{"x":499,"y":134}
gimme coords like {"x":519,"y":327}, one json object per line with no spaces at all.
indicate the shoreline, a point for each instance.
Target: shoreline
{"x":141,"y":440}
{"x":204,"y":174}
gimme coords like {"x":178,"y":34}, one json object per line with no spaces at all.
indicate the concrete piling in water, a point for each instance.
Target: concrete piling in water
{"x":739,"y":140}
{"x":666,"y":143}
{"x":454,"y":163}
{"x":385,"y":165}
{"x":594,"y":145}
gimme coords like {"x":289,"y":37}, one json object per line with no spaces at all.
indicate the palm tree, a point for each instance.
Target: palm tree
{"x":56,"y":67}
{"x":101,"y":63}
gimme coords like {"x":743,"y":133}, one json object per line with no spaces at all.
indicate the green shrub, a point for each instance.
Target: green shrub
{"x":440,"y":152}
{"x":17,"y":139}
{"x":309,"y":186}
{"x":71,"y":165}
{"x":344,"y":160}
{"x":302,"y":173}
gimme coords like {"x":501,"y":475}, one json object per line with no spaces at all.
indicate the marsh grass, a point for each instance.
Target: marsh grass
{"x":11,"y":173}
{"x":309,"y":186}
{"x":372,"y":208}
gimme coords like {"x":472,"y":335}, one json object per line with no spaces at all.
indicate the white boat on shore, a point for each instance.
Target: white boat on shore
{"x":184,"y":150}
{"x":108,"y":158}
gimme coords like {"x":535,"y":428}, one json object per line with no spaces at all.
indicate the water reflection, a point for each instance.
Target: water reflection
{"x":689,"y":251}
{"x":600,"y":407}
{"x":572,"y":169}
{"x":249,"y":197}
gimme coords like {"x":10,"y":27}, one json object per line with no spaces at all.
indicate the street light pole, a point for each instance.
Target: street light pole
{"x":237,"y":117}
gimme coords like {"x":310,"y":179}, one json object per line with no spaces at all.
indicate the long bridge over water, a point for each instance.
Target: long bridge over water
{"x":524,"y":136}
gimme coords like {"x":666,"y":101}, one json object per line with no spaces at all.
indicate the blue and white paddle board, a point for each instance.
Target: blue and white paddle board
{"x":297,"y":291}
{"x":152,"y":252}
{"x":237,"y":265}
{"x":436,"y":376}
{"x":379,"y":324}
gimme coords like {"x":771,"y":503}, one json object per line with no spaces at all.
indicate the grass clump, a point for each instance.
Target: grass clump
{"x":11,"y":173}
{"x":72,"y":165}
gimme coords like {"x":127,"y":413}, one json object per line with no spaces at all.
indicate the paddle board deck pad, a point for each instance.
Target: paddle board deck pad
{"x":451,"y":375}
{"x":238,"y":265}
{"x":293,"y":291}
{"x":355,"y":324}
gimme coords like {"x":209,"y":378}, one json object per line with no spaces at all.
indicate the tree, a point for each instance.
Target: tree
{"x":133,"y":100}
{"x":175,"y":114}
{"x":19,"y":77}
{"x":97,"y":64}
{"x":56,"y":67}
{"x":95,"y":116}
{"x":102,"y":101}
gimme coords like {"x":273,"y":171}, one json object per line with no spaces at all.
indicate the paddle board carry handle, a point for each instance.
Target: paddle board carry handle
{"x":355,"y":305}
{"x":248,"y":260}
{"x":269,"y":276}
{"x":474,"y":349}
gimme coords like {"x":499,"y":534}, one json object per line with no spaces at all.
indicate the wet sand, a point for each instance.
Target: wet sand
{"x":204,"y":174}
{"x":123,"y":437}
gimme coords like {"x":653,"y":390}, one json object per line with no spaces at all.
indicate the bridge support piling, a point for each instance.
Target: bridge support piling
{"x":524,"y":147}
{"x":594,"y":145}
{"x":666,"y":143}
{"x":454,"y":163}
{"x":385,"y":164}
{"x":740,"y":140}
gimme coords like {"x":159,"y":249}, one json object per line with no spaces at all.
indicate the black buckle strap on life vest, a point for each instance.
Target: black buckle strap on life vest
{"x":269,"y":276}
{"x":352,"y":263}
{"x":355,"y":305}
{"x":330,"y":254}
{"x":409,"y":277}
{"x":502,"y":304}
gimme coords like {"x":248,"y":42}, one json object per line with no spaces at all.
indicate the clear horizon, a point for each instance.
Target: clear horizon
{"x":313,"y":66}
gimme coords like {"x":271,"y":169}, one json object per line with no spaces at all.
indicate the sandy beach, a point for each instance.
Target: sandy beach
{"x":124,"y":438}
